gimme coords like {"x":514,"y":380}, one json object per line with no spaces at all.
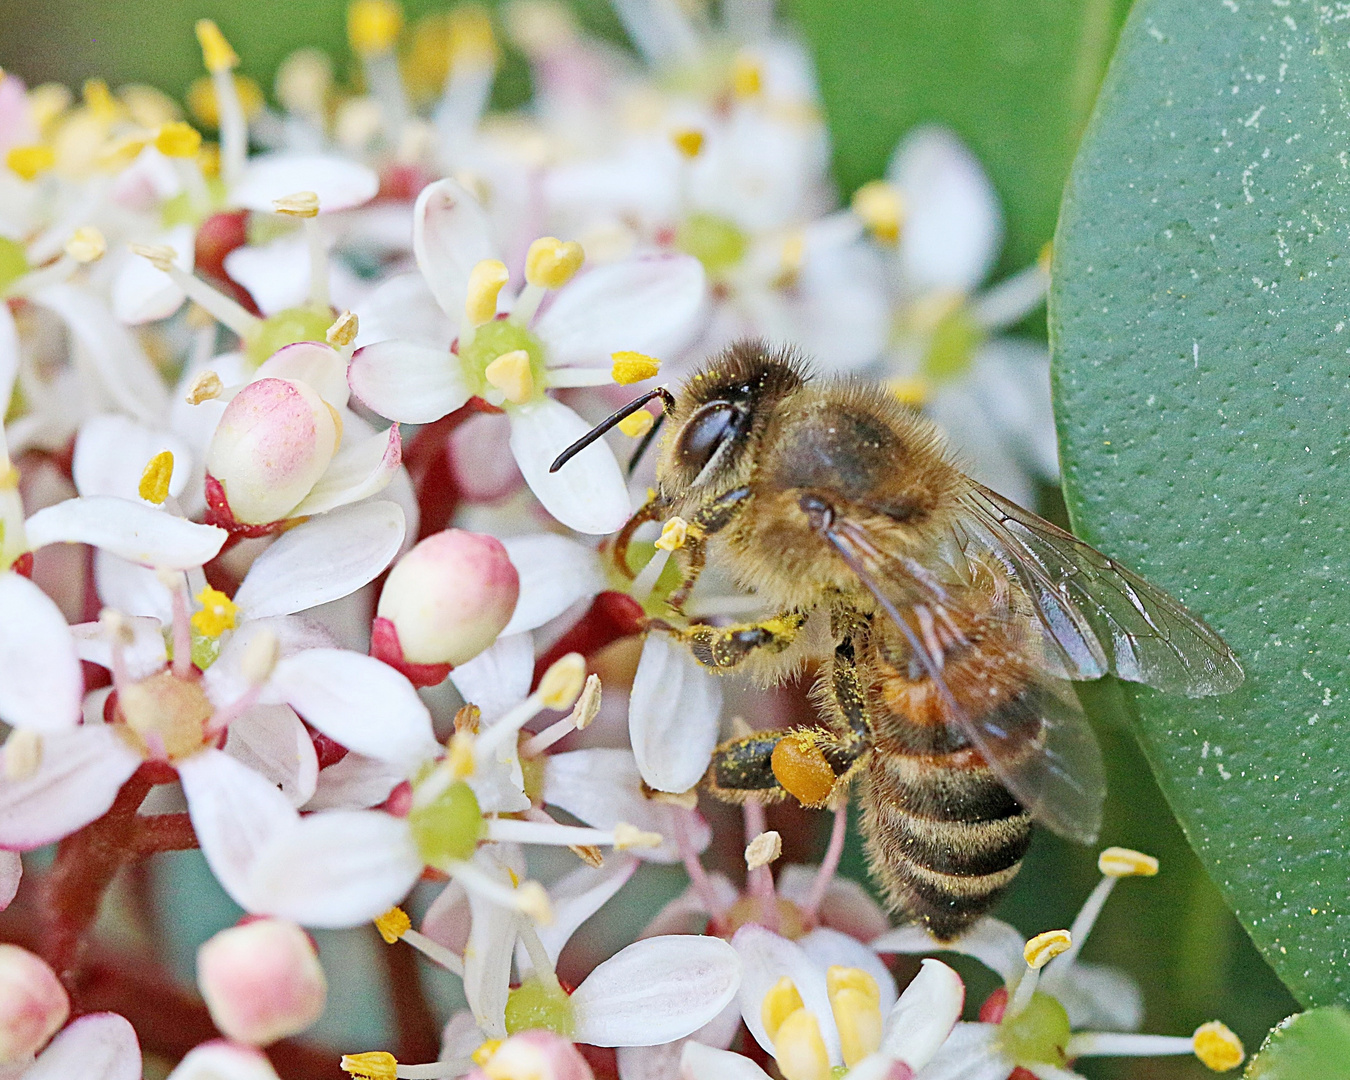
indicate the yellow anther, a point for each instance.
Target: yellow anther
{"x":800,"y":1050}
{"x":763,"y":850}
{"x":86,"y":245}
{"x":747,"y":77}
{"x":632,"y":367}
{"x":154,"y":485}
{"x":304,"y":204}
{"x":202,"y":103}
{"x":209,"y":160}
{"x":98,"y":100}
{"x":22,"y":754}
{"x":30,"y":161}
{"x":881,"y":209}
{"x":260,"y":657}
{"x":793,"y":253}
{"x":116,"y":154}
{"x":562,"y":682}
{"x":510,"y":373}
{"x":373,"y":26}
{"x":779,"y":1003}
{"x":485,"y":1050}
{"x":855,"y":1000}
{"x":205,"y":387}
{"x":1047,"y":254}
{"x":218,"y":613}
{"x":147,"y":106}
{"x":688,"y":141}
{"x":637,"y":424}
{"x":160,"y":255}
{"x":1217,"y":1047}
{"x":800,"y":766}
{"x":178,"y":139}
{"x":372,"y":1065}
{"x":1125,"y":862}
{"x":393,"y":924}
{"x":216,"y":52}
{"x":550,"y":263}
{"x":343,"y":331}
{"x":467,"y":718}
{"x":459,"y":755}
{"x":630,"y":836}
{"x":1043,"y":948}
{"x":588,"y":704}
{"x":912,"y":390}
{"x":532,"y":901}
{"x":46,"y":103}
{"x":485,"y":282}
{"x":304,"y":81}
{"x":674,"y":533}
{"x":472,"y":41}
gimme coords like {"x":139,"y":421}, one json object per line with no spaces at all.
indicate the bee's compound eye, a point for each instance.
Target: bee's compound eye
{"x":705,"y":432}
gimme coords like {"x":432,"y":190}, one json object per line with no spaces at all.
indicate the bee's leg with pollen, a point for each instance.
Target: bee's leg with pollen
{"x":713,"y":517}
{"x":812,"y":765}
{"x":729,"y":646}
{"x":652,"y":510}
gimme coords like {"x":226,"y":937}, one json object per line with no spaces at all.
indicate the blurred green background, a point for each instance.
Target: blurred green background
{"x":1016,"y":79}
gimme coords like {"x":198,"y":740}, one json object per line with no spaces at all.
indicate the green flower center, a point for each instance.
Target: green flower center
{"x":447,"y":829}
{"x":13,"y":262}
{"x":306,"y":323}
{"x":714,"y":241}
{"x":182,"y":210}
{"x":640,"y":553}
{"x":497,"y":338}
{"x":1038,"y":1034}
{"x":952,"y":346}
{"x":534,"y":1004}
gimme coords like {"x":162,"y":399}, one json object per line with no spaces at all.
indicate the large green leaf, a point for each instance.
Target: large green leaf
{"x":1200,"y":323}
{"x":1310,"y":1046}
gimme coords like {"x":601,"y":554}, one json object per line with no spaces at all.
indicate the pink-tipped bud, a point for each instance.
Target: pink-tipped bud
{"x":261,"y":980}
{"x":450,"y":597}
{"x":273,"y":442}
{"x":33,"y":1004}
{"x":535,"y":1055}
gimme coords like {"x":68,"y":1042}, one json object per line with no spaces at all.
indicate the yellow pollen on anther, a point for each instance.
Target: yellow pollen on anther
{"x":510,"y":373}
{"x":161,"y":256}
{"x":485,"y":282}
{"x":1125,"y":862}
{"x":393,"y":924}
{"x":799,"y":1049}
{"x":343,"y":331}
{"x":303,"y":204}
{"x":632,"y":367}
{"x":99,"y":100}
{"x":1043,"y":948}
{"x":674,"y":533}
{"x":688,"y":141}
{"x":747,"y":77}
{"x":216,"y":52}
{"x":178,"y":138}
{"x":881,"y":209}
{"x":551,"y":263}
{"x":218,"y":613}
{"x":563,"y":681}
{"x":154,"y":485}
{"x":372,"y":1065}
{"x":86,"y":245}
{"x":472,"y":41}
{"x":855,"y":1000}
{"x":373,"y":26}
{"x":1217,"y":1047}
{"x":637,"y":424}
{"x":30,"y":161}
{"x":779,"y":1003}
{"x":486,"y":1049}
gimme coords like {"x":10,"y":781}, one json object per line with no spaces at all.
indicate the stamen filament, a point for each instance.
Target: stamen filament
{"x":569,"y":377}
{"x":233,"y":127}
{"x":220,"y":306}
{"x":1082,"y":926}
{"x":829,"y":864}
{"x":505,"y":729}
{"x":698,"y":876}
{"x":513,"y":830}
{"x":544,"y":970}
{"x":1123,"y":1044}
{"x":435,"y":1070}
{"x":647,"y":578}
{"x":318,"y":263}
{"x":435,"y":951}
{"x":474,"y":880}
{"x":182,"y":630}
{"x":54,"y":273}
{"x":527,"y":303}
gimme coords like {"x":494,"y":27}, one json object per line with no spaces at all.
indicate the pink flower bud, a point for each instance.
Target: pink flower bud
{"x":535,"y":1055}
{"x":273,"y":442}
{"x":33,"y":1004}
{"x":261,"y":981}
{"x":450,"y":597}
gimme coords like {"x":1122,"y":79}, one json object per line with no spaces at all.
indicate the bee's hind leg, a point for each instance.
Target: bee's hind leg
{"x":812,"y":765}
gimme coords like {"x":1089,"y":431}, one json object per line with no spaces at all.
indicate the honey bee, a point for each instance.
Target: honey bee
{"x":945,"y":620}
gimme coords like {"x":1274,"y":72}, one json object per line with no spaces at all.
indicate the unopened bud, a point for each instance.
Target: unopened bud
{"x":763,"y":850}
{"x":304,"y":204}
{"x":205,"y":387}
{"x":551,"y":263}
{"x":86,"y":245}
{"x":450,"y":596}
{"x":260,"y":657}
{"x":261,"y":981}
{"x":33,"y":1004}
{"x":23,"y":754}
{"x":563,"y":681}
{"x":273,"y":442}
{"x":537,"y":1054}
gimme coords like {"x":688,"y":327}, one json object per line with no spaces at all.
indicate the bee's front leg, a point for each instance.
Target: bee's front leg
{"x":812,"y":765}
{"x":708,"y":519}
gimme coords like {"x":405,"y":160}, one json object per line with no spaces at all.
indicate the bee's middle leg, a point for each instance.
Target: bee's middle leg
{"x":725,"y":647}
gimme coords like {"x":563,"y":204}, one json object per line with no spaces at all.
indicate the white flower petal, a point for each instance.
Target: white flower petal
{"x":649,"y":305}
{"x":404,"y":308}
{"x":144,"y":655}
{"x":587,"y":494}
{"x":673,"y":715}
{"x":81,"y":771}
{"x":448,"y":919}
{"x":602,"y":787}
{"x":100,"y":1046}
{"x":1099,"y":997}
{"x":336,"y":868}
{"x":133,"y":530}
{"x":9,"y":357}
{"x":407,"y":381}
{"x":663,"y":1062}
{"x":1011,"y":380}
{"x":141,"y":293}
{"x":578,"y":895}
{"x":460,"y":1037}
{"x":276,"y":275}
{"x":991,"y":941}
{"x":359,"y":470}
{"x":221,"y":1060}
{"x":314,"y":362}
{"x":688,"y":913}
{"x":555,"y":573}
{"x":830,"y":948}
{"x":235,"y":813}
{"x":40,"y":681}
{"x":362,"y":703}
{"x":451,"y":235}
{"x":499,"y":677}
{"x":324,"y":559}
{"x":699,"y":1062}
{"x":271,"y":740}
{"x":491,"y":944}
{"x":766,"y":958}
{"x":924,"y":1016}
{"x":978,"y":441}
{"x":970,"y":1053}
{"x":11,"y":874}
{"x":112,"y":451}
{"x":354,"y":783}
{"x":339,"y":182}
{"x":656,"y":990}
{"x":953,"y":225}
{"x":131,"y":588}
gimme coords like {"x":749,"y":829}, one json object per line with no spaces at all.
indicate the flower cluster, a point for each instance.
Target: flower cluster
{"x":284,"y":574}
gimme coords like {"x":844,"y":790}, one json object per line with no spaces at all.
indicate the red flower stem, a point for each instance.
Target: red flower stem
{"x":165,"y":832}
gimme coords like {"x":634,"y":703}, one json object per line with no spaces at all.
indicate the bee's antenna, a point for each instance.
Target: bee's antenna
{"x":667,"y":404}
{"x":645,"y":443}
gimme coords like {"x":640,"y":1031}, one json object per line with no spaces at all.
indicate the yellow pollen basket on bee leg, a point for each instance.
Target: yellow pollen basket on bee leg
{"x":799,"y":765}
